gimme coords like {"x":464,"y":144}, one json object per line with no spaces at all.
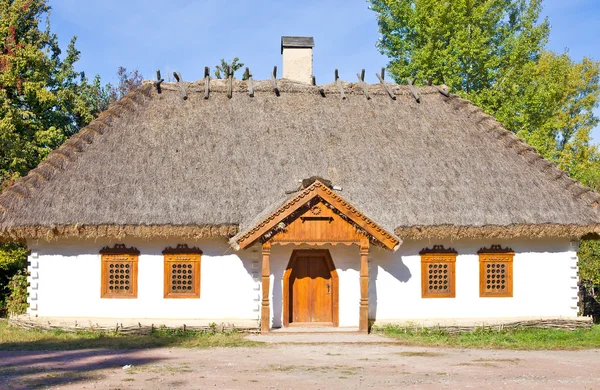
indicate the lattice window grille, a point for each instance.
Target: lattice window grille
{"x":182,"y":276}
{"x":438,"y":278}
{"x":496,"y":277}
{"x":120,"y":275}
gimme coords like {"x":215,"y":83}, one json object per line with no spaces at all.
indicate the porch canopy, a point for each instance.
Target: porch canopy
{"x":316,"y":215}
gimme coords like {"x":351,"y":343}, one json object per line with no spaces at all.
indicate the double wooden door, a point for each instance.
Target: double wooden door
{"x":311,"y":289}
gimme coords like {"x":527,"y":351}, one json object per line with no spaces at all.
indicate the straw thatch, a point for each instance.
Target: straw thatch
{"x":157,"y":165}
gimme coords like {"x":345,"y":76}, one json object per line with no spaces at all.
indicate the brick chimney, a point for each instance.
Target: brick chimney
{"x":297,"y":53}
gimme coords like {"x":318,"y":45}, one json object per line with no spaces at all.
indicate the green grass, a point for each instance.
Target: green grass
{"x":342,"y":369}
{"x":14,"y":338}
{"x":419,"y":354}
{"x":510,"y":339}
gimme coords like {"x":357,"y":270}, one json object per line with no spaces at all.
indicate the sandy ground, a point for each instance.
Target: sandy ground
{"x":348,"y":363}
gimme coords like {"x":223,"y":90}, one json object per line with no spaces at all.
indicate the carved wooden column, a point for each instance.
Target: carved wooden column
{"x":363,"y":324}
{"x":265,"y":313}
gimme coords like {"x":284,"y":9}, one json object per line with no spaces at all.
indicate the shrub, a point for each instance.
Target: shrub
{"x":13,"y":257}
{"x":16,"y":302}
{"x":589,"y":274}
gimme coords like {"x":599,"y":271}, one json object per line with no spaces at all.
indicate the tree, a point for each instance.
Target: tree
{"x":589,"y":262}
{"x":221,"y":70}
{"x":128,"y":81}
{"x":469,"y":45}
{"x":43,"y":100}
{"x":492,"y":53}
{"x":12,"y":259}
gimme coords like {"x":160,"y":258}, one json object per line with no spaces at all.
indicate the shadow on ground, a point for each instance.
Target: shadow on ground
{"x":61,"y":341}
{"x":35,"y":358}
{"x":36,"y":369}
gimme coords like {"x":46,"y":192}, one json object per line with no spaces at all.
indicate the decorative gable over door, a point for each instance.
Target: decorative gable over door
{"x":316,"y":216}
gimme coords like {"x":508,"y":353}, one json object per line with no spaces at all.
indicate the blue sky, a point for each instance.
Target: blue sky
{"x":186,"y":35}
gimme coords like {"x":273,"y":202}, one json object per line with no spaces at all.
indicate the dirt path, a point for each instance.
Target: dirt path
{"x":319,"y":365}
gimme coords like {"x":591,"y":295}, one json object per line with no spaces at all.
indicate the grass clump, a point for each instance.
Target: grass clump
{"x":419,"y":354}
{"x":517,"y":339}
{"x":15,"y":338}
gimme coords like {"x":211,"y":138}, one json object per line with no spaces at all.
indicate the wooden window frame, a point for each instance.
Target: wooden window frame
{"x":438,"y":255}
{"x":496,"y":254}
{"x":192,"y":256}
{"x":119,"y":254}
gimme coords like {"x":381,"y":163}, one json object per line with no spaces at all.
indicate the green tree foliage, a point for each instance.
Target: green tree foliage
{"x":589,"y":262}
{"x":16,"y":302}
{"x":492,"y":52}
{"x":13,"y":258}
{"x":469,"y":45}
{"x":43,"y":100}
{"x":221,"y":69}
{"x":555,"y":112}
{"x":589,"y":250}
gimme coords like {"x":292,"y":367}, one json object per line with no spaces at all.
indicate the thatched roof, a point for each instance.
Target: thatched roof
{"x":157,"y":165}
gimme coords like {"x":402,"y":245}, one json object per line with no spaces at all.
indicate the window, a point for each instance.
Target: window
{"x":495,"y":272}
{"x":438,"y":272}
{"x":119,"y":272}
{"x":182,"y":272}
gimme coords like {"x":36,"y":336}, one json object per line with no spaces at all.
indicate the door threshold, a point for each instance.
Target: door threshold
{"x":310,"y":324}
{"x":315,"y":329}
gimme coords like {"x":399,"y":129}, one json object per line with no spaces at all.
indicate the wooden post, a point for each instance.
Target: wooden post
{"x":363,"y":323}
{"x":265,"y":313}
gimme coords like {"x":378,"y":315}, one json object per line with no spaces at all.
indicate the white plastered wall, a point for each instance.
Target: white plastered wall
{"x":297,"y":64}
{"x":544,"y":283}
{"x":65,"y":282}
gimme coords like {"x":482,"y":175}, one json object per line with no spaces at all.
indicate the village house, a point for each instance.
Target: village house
{"x":280,"y":204}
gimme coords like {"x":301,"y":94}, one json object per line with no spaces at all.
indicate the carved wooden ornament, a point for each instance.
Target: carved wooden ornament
{"x":495,"y":249}
{"x":438,"y":249}
{"x":182,"y":249}
{"x":119,"y":249}
{"x":318,"y":215}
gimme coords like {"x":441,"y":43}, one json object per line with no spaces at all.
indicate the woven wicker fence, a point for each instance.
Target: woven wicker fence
{"x":139,"y":329}
{"x":529,"y":324}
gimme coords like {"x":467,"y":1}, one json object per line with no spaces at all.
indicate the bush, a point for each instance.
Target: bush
{"x":589,"y":274}
{"x":13,"y":258}
{"x":16,"y":302}
{"x":589,"y":261}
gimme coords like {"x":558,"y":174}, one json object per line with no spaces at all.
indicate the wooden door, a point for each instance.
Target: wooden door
{"x":311,"y":290}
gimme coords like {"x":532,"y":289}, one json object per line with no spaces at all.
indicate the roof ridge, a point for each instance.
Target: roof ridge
{"x":292,"y":87}
{"x":548,"y":168}
{"x":60,"y":159}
